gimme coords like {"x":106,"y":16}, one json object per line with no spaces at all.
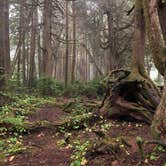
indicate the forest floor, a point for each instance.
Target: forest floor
{"x":48,"y":145}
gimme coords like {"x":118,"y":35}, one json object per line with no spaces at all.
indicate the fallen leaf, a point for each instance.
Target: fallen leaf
{"x":11,"y":158}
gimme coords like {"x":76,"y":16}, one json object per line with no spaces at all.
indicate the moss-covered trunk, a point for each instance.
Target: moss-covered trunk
{"x":158,"y":49}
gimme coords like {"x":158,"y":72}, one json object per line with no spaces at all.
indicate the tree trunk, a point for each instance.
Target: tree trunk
{"x":74,"y":43}
{"x":47,"y":50}
{"x":67,"y":45}
{"x":4,"y":42}
{"x":153,"y":32}
{"x":21,"y":50}
{"x":159,"y":121}
{"x":162,"y":17}
{"x":22,"y":36}
{"x":18,"y":68}
{"x":40,"y":57}
{"x":158,"y":49}
{"x":32,"y":48}
{"x":114,"y":59}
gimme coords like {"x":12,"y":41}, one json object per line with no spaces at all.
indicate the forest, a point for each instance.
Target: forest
{"x":82,"y":82}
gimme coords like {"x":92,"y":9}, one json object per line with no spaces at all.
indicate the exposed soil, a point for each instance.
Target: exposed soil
{"x":43,"y":149}
{"x":43,"y":143}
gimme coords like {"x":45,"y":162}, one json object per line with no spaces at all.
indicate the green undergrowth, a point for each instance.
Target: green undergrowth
{"x":75,"y":122}
{"x":91,"y":89}
{"x":77,"y":108}
{"x":78,"y":156}
{"x":80,"y":117}
{"x":13,"y":117}
{"x":46,"y":86}
{"x":11,"y":146}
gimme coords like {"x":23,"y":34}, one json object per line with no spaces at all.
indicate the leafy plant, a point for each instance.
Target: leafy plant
{"x":61,"y":143}
{"x":154,"y":156}
{"x":106,"y":126}
{"x":78,"y":156}
{"x":91,"y":89}
{"x":159,"y":149}
{"x":47,"y":86}
{"x":11,"y":146}
{"x":13,"y":85}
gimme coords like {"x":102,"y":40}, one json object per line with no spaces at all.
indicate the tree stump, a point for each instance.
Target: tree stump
{"x":131,"y":95}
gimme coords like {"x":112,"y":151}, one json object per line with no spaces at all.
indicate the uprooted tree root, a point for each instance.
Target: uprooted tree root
{"x":130,"y":94}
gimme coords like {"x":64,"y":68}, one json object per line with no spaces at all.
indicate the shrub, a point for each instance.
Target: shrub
{"x":91,"y":89}
{"x":14,"y":85}
{"x":74,"y":90}
{"x":47,"y":86}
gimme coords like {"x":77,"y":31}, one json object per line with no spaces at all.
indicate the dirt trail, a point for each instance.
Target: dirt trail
{"x":43,"y":143}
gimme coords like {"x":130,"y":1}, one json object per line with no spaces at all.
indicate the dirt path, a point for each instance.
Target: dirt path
{"x":43,"y":143}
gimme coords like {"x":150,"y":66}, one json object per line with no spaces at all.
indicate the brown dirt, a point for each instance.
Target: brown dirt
{"x":44,"y":150}
{"x":48,"y":113}
{"x":42,"y":144}
{"x":130,"y":156}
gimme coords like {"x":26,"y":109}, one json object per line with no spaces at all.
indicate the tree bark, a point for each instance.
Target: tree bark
{"x":114,"y":59}
{"x":74,"y":43}
{"x":159,"y":120}
{"x":67,"y":44}
{"x":47,"y":50}
{"x":158,"y":49}
{"x":162,"y":17}
{"x":4,"y":42}
{"x":32,"y":48}
{"x":153,"y":32}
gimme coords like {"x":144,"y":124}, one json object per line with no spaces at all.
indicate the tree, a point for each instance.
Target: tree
{"x":4,"y":42}
{"x":67,"y":44}
{"x":47,"y":50}
{"x":33,"y":46}
{"x":22,"y":35}
{"x":162,"y":16}
{"x":114,"y":60}
{"x":158,"y":50}
{"x":74,"y":43}
{"x":131,"y":92}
